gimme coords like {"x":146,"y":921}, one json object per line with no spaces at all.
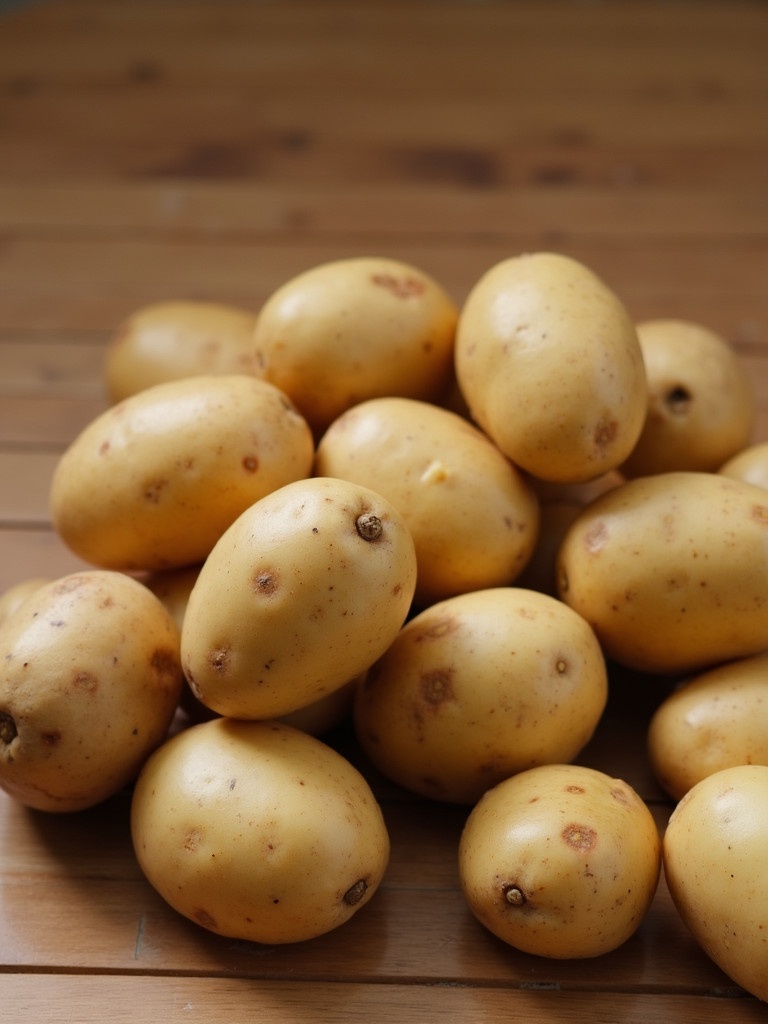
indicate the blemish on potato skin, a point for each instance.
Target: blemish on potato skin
{"x":84,"y":682}
{"x":153,"y":490}
{"x":51,"y":737}
{"x":400,"y":287}
{"x":164,"y":662}
{"x":192,"y":839}
{"x":437,"y":687}
{"x":266,"y":582}
{"x":605,"y":434}
{"x":760,"y":514}
{"x":219,"y":659}
{"x":596,"y":537}
{"x":579,"y":837}
{"x":437,"y":630}
{"x":250,"y":463}
{"x":205,"y":919}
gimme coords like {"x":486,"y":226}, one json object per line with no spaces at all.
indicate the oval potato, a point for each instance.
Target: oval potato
{"x":671,"y":571}
{"x":550,"y":365}
{"x":154,"y":481}
{"x":472,"y":514}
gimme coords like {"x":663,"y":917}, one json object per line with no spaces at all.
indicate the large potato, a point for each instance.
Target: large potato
{"x":353,"y":329}
{"x":304,"y":591}
{"x":671,"y":570}
{"x":550,"y":365}
{"x":472,"y":514}
{"x":154,"y":481}
{"x":714,"y":720}
{"x":716,"y":869}
{"x":701,"y":404}
{"x":478,"y":687}
{"x":560,"y":861}
{"x":257,"y":831}
{"x":90,"y":678}
{"x":184,"y":338}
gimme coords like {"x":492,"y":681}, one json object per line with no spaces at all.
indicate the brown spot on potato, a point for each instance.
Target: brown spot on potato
{"x":437,"y":629}
{"x":85,"y":681}
{"x":620,"y":794}
{"x":219,"y":659}
{"x":192,"y":839}
{"x":401,"y":287}
{"x":50,"y":738}
{"x":250,"y":463}
{"x":579,"y":837}
{"x":760,"y":514}
{"x":104,"y":447}
{"x":266,"y":582}
{"x":356,"y":892}
{"x":596,"y":537}
{"x":153,"y":490}
{"x":369,"y":526}
{"x":437,"y":687}
{"x":605,"y":434}
{"x":574,"y":789}
{"x":204,"y":918}
{"x":514,"y":895}
{"x":164,"y":662}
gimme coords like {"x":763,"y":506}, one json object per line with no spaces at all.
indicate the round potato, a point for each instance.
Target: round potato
{"x":472,"y":514}
{"x":749,"y":465}
{"x":170,"y":340}
{"x":701,"y":405}
{"x":560,"y":861}
{"x":714,"y":720}
{"x":671,"y":571}
{"x":258,"y":831}
{"x":304,"y":591}
{"x":90,"y":678}
{"x":714,"y":853}
{"x":478,"y":687}
{"x":551,"y":368}
{"x":353,"y":329}
{"x":154,"y":481}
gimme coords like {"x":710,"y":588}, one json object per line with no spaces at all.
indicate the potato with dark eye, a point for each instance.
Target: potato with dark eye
{"x":701,"y":406}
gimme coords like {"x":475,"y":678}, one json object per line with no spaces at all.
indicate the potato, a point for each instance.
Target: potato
{"x":550,"y":365}
{"x":154,"y":481}
{"x":701,"y":405}
{"x":170,"y":340}
{"x":353,"y":329}
{"x":561,"y":861}
{"x":671,"y":571}
{"x":714,"y":720}
{"x":478,"y":687}
{"x":304,"y":591}
{"x":258,"y":831}
{"x":90,"y":678}
{"x":472,"y":514}
{"x":717,"y":871}
{"x":749,"y":465}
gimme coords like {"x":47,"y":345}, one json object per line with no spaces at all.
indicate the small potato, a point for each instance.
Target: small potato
{"x":170,"y":340}
{"x":258,"y":831}
{"x":154,"y":481}
{"x":549,"y":363}
{"x":560,"y":861}
{"x":472,"y":514}
{"x":717,"y":871}
{"x":671,"y":571}
{"x":90,"y":678}
{"x":714,"y":720}
{"x":479,"y":687}
{"x":701,"y":404}
{"x":749,"y":465}
{"x":304,"y":591}
{"x":353,"y":329}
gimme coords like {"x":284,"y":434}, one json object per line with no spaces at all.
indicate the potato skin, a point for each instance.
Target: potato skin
{"x":713,"y":720}
{"x":714,"y":854}
{"x":154,"y":481}
{"x":183,"y":338}
{"x":90,"y":678}
{"x":479,"y":687}
{"x":671,"y":571}
{"x":352,"y":329}
{"x":292,"y":602}
{"x":257,"y":831}
{"x":472,"y":514}
{"x":549,"y":363}
{"x":560,"y":861}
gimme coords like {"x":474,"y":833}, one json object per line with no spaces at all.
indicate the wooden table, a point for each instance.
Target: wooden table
{"x":211,"y":150}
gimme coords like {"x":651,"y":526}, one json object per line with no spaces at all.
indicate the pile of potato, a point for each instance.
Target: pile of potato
{"x":442,"y":524}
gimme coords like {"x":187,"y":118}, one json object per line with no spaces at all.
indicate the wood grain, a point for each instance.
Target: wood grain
{"x":211,"y":150}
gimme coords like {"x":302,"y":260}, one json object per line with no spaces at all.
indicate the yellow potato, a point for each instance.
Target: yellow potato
{"x":258,"y":831}
{"x":716,"y":870}
{"x":90,"y":678}
{"x":154,"y":481}
{"x":353,"y":329}
{"x":304,"y":591}
{"x":701,"y":405}
{"x":560,"y":861}
{"x":749,"y":465}
{"x":169,"y":340}
{"x":473,"y":515}
{"x":479,"y":687}
{"x":714,"y":720}
{"x":550,"y":365}
{"x":671,"y":571}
